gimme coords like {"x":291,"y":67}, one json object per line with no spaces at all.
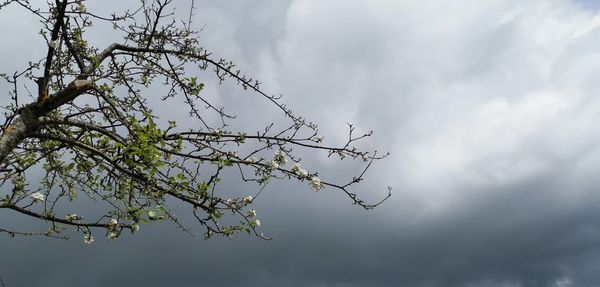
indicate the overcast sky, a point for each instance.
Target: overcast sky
{"x":489,"y":108}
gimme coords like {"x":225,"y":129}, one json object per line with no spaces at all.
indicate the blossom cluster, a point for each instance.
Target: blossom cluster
{"x":314,"y":183}
{"x":296,"y":169}
{"x":53,"y":44}
{"x":112,"y":229}
{"x":73,"y":217}
{"x":38,"y":197}
{"x":81,"y":7}
{"x":88,"y":238}
{"x":280,"y":158}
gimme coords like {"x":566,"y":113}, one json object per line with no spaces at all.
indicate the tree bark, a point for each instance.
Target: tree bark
{"x":28,"y":120}
{"x":15,"y":133}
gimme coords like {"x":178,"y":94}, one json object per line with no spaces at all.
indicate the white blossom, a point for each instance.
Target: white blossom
{"x":88,"y":239}
{"x":280,"y":153}
{"x":81,"y":7}
{"x":189,"y":39}
{"x":303,"y":173}
{"x":365,"y":158}
{"x":315,"y":183}
{"x":112,"y":235}
{"x":280,"y":158}
{"x":273,"y":164}
{"x":296,"y":169}
{"x":135,"y":227}
{"x":231,"y":203}
{"x":38,"y":197}
{"x":251,"y":213}
{"x":72,"y":217}
{"x":257,"y":222}
{"x":248,"y":199}
{"x":113,"y":222}
{"x":318,"y":139}
{"x":53,"y":44}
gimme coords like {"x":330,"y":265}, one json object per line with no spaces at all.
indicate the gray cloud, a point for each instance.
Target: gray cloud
{"x":489,"y":110}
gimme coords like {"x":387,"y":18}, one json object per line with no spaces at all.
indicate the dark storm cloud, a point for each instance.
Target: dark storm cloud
{"x":493,"y":241}
{"x":490,"y":112}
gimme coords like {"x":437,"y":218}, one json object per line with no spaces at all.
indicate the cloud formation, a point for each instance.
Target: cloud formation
{"x":489,"y":108}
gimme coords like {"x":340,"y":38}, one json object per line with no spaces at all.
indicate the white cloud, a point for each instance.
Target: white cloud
{"x":465,"y":94}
